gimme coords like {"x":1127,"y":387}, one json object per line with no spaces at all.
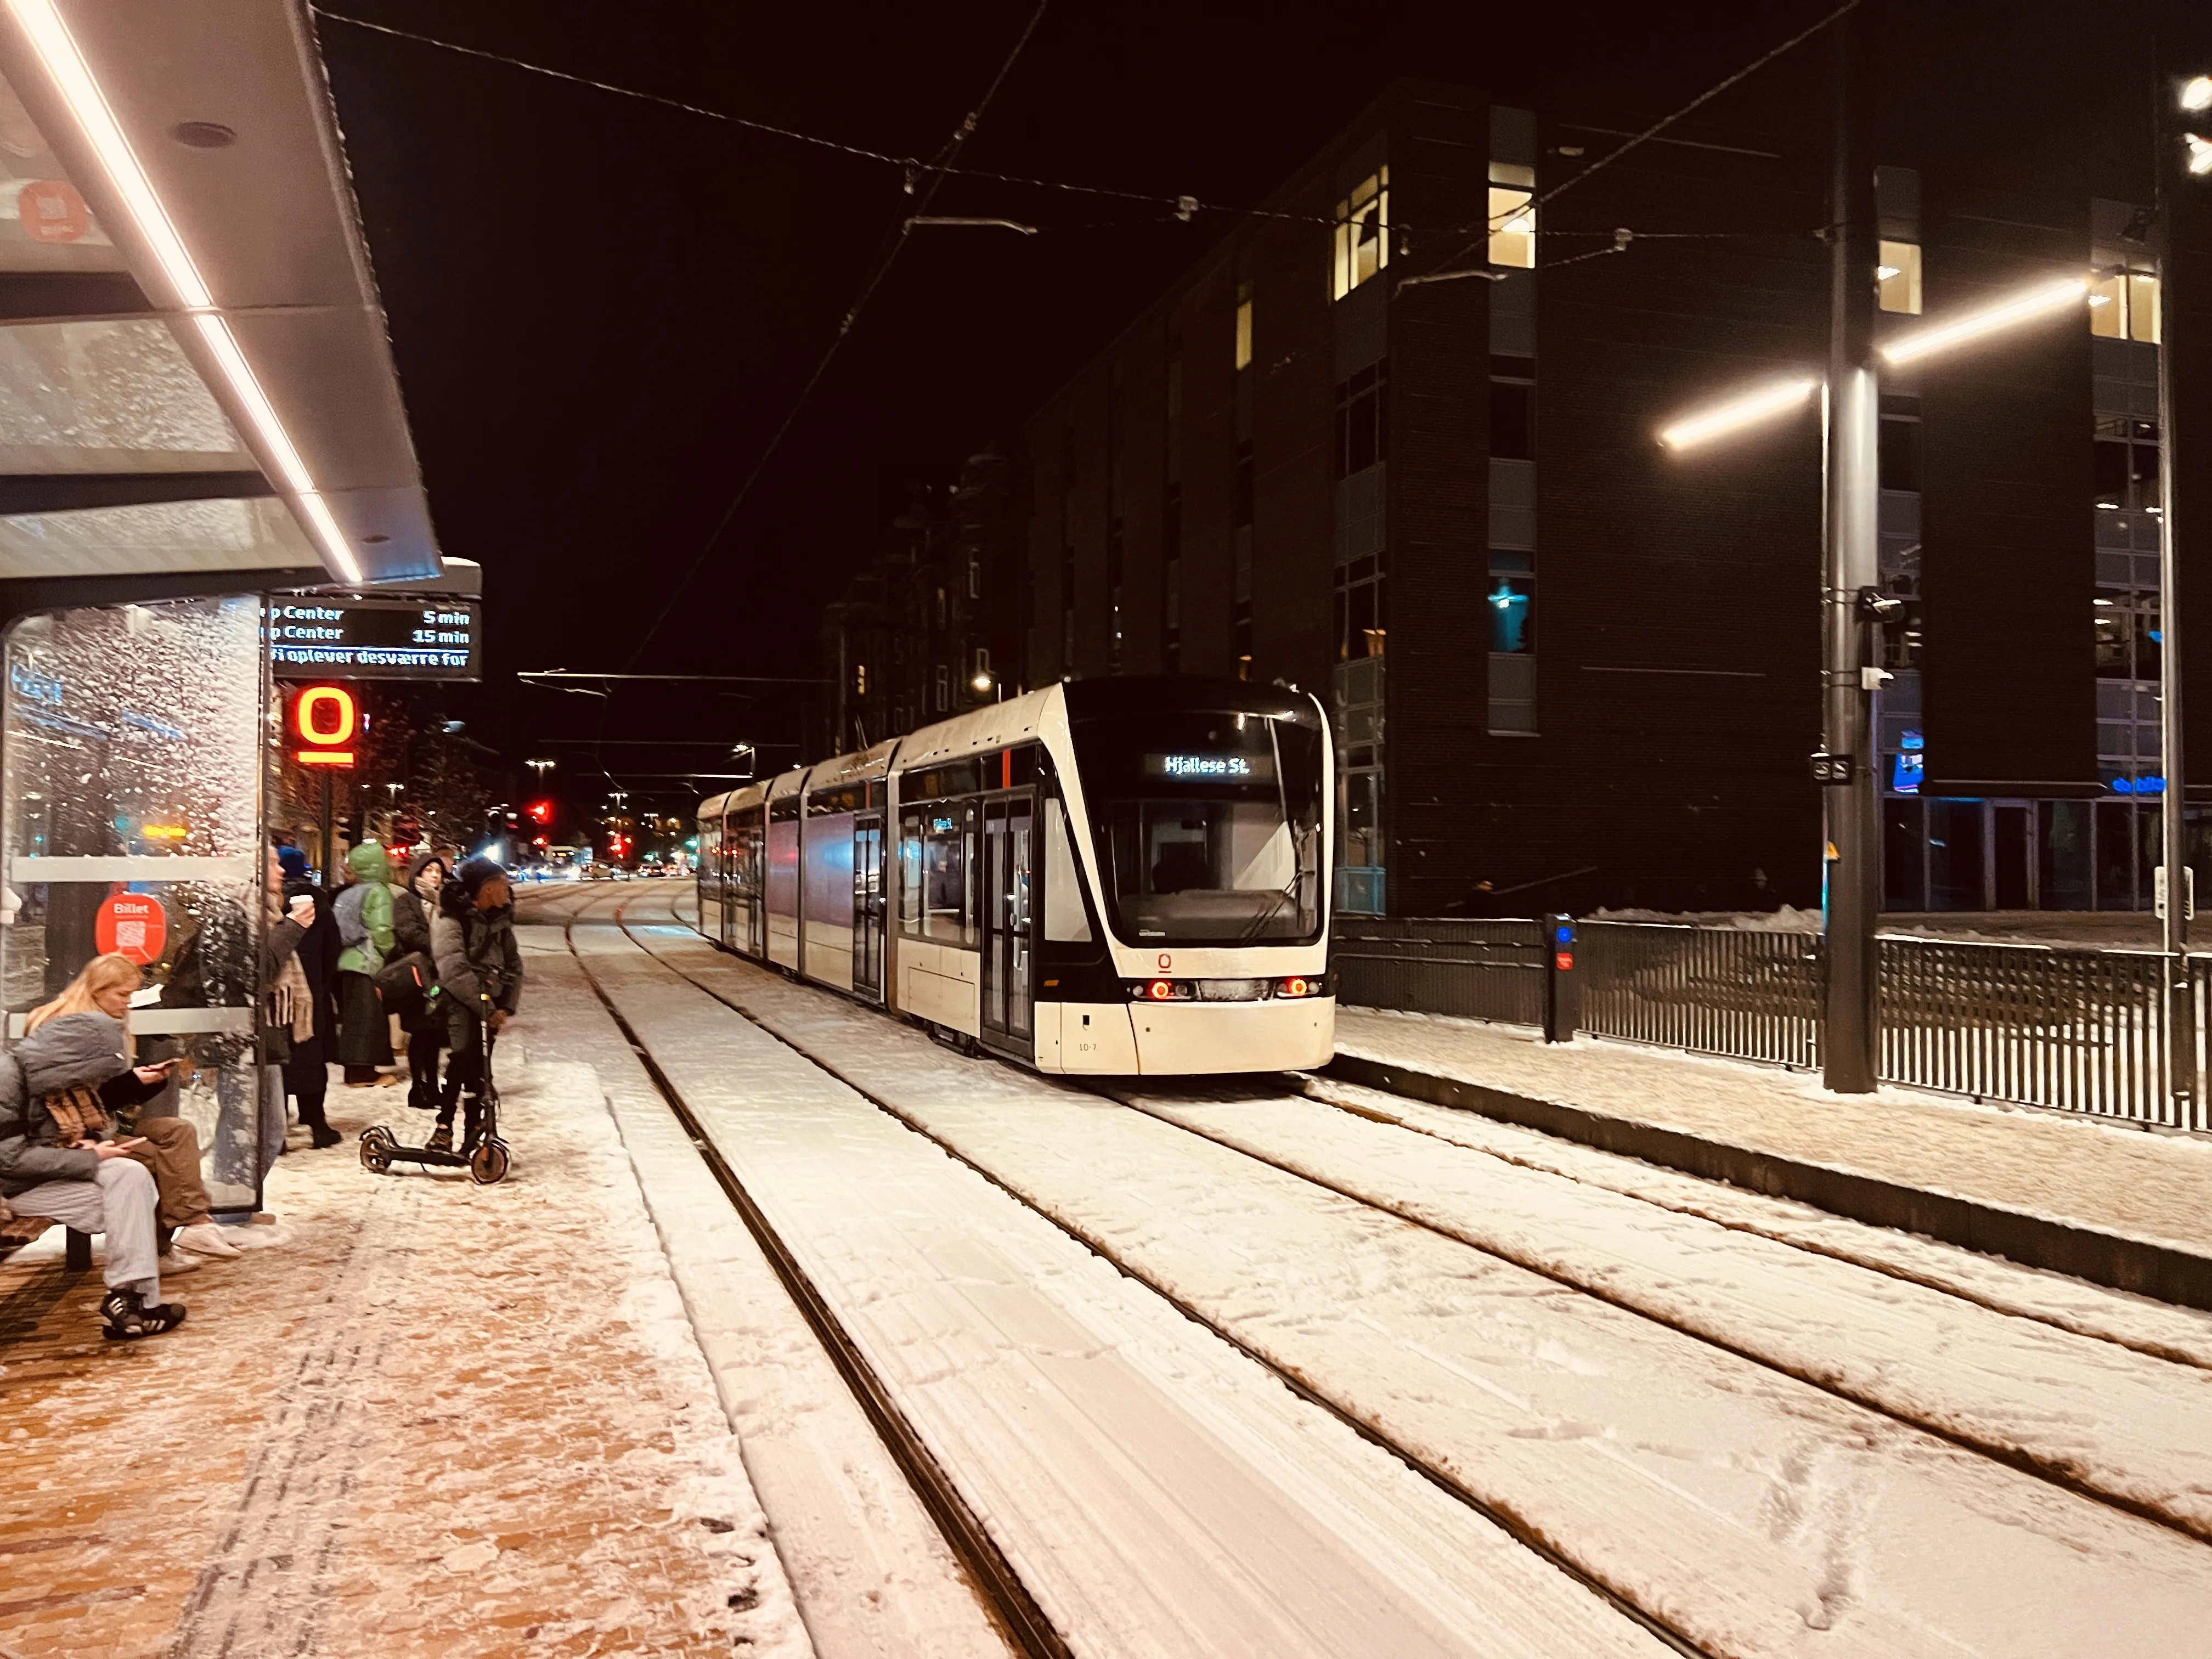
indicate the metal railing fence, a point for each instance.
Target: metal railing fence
{"x":2071,"y":1029}
{"x":1711,"y":990}
{"x":1476,"y":969}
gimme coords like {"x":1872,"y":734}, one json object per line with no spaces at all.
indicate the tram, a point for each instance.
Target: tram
{"x":1114,"y":876}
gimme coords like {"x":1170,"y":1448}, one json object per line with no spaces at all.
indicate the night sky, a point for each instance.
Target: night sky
{"x":602,"y":309}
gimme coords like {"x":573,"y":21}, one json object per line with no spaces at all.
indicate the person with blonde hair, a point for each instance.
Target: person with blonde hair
{"x":81,"y":1090}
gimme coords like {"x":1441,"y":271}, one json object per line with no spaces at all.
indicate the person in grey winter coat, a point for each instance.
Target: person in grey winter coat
{"x":95,"y":1188}
{"x":479,"y":982}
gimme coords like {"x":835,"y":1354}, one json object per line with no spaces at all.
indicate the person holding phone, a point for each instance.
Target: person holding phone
{"x":84,"y":1093}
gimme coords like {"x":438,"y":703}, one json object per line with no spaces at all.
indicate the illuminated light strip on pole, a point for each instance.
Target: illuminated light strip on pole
{"x":2036,"y":302}
{"x":72,"y":77}
{"x":1738,"y":412}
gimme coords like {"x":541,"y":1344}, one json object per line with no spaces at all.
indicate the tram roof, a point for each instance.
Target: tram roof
{"x":179,"y":236}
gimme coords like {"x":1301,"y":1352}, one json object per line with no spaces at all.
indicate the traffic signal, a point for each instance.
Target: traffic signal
{"x":542,"y":810}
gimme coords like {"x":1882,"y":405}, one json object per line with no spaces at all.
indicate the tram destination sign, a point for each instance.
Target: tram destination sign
{"x":316,"y":636}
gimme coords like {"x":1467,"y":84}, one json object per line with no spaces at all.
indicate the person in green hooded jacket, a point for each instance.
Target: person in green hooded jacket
{"x":365,"y":941}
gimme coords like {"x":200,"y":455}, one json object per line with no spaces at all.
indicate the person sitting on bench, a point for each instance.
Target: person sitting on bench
{"x":83,"y":1090}
{"x":94,"y":1189}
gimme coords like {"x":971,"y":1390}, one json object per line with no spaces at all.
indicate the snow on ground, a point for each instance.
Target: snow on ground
{"x":1159,"y":1493}
{"x":2149,"y":1327}
{"x":1760,"y":1515}
{"x":871,"y":1573}
{"x":2078,"y":1171}
{"x":418,"y":1417}
{"x":2127,"y":1426}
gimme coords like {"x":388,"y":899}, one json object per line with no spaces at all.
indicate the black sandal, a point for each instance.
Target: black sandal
{"x":126,"y":1316}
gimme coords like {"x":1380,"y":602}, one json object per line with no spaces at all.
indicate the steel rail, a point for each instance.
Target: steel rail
{"x":1001,"y":1589}
{"x":1522,"y":1532}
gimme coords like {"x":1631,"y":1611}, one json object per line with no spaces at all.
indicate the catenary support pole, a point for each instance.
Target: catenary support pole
{"x":2181,"y":1079}
{"x":1851,"y":421}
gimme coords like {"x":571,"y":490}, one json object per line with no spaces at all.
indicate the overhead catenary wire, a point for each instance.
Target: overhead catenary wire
{"x":902,"y":230}
{"x":1538,"y":203}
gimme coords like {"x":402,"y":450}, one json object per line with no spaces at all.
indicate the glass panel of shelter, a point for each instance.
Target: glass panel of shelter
{"x":133,"y":824}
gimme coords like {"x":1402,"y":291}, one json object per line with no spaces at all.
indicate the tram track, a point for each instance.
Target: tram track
{"x":2054,"y":1473}
{"x":997,"y":1585}
{"x":1498,"y":1510}
{"x":1518,"y":1526}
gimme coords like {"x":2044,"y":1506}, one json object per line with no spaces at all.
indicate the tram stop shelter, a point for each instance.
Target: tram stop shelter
{"x":197,"y":408}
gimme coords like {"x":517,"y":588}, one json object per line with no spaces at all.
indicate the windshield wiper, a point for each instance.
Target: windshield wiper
{"x":1274,"y":904}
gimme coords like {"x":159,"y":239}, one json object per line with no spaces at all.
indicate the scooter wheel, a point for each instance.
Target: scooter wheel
{"x":488,"y":1164}
{"x":376,"y":1145}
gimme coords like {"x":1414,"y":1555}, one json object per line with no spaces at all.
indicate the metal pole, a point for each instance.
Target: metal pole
{"x":330,"y":843}
{"x":2181,"y":1081}
{"x":1851,"y":417}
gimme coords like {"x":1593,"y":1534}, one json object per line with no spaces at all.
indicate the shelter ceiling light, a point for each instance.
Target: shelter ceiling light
{"x":64,"y":65}
{"x":2197,"y":94}
{"x":1738,"y":412}
{"x":2006,"y":313}
{"x":2200,"y":154}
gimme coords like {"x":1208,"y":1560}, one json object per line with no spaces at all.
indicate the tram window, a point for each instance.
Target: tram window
{"x":910,"y":884}
{"x":944,"y":882}
{"x":1210,"y":824}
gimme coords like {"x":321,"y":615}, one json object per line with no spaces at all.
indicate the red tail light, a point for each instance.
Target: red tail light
{"x":1160,"y":990}
{"x":1297,"y":985}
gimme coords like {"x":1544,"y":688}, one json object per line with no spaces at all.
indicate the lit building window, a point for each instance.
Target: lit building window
{"x":1512,"y":216}
{"x":1363,"y":233}
{"x":1512,"y":628}
{"x":1898,"y":274}
{"x":861,"y":680}
{"x":1243,"y":324}
{"x":2124,"y":305}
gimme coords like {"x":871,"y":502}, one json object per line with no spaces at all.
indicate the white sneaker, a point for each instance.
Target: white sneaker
{"x":177,"y":1262}
{"x":205,"y":1238}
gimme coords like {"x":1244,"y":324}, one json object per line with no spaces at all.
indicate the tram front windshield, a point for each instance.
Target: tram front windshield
{"x":1209,"y":825}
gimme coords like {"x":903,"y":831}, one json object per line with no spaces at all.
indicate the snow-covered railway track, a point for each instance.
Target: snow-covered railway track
{"x":1648,"y":1278}
{"x":1156,"y":1491}
{"x":1441,"y":1478}
{"x":1932,"y":1476}
{"x":996,"y":1583}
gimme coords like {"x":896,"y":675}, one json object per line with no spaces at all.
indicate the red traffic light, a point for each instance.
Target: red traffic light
{"x":542,"y":810}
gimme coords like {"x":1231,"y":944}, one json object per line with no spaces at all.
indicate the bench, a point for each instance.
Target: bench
{"x":18,"y":1231}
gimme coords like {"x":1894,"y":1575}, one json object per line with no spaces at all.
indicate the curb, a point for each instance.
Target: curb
{"x":2112,"y":1259}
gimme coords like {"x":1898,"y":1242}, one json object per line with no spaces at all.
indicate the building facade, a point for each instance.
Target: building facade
{"x":929,"y":626}
{"x":1395,"y":441}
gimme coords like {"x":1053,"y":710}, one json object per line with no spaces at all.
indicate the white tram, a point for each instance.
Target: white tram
{"x":1116,"y":876}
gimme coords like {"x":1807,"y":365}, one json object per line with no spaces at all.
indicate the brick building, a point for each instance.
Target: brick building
{"x":1571,"y":668}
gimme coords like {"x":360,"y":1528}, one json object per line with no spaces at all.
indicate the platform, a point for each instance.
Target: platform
{"x":419,"y":1417}
{"x":2097,"y":1199}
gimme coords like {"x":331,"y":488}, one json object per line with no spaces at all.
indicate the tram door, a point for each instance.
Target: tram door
{"x":868,"y":904}
{"x":1009,"y":912}
{"x":756,"y":900}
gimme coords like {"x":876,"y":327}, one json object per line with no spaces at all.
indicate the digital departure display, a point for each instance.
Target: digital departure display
{"x":426,"y":639}
{"x":1212,"y":769}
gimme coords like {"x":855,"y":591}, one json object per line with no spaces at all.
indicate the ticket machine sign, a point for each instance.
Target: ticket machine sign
{"x":325,"y":718}
{"x":132,"y":925}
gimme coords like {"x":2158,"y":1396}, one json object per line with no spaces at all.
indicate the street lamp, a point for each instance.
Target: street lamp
{"x":541,"y":767}
{"x":1850,"y":417}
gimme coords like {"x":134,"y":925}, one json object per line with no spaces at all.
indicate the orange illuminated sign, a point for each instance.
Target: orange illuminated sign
{"x":324,"y":719}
